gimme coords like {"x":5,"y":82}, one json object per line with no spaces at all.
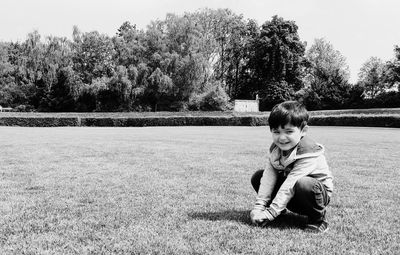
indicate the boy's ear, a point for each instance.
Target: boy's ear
{"x":304,"y":130}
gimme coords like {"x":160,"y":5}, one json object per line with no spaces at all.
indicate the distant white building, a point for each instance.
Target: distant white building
{"x":5,"y":109}
{"x":247,"y":105}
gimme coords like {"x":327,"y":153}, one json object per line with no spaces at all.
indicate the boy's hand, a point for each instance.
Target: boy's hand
{"x":261,"y":217}
{"x":257,"y":216}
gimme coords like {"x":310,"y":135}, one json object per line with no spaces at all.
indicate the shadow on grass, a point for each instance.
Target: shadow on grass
{"x":290,"y":220}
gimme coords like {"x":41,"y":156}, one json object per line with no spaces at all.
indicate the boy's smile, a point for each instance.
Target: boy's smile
{"x":288,"y":137}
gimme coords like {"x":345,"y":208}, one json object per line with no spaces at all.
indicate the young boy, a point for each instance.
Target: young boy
{"x":297,"y":176}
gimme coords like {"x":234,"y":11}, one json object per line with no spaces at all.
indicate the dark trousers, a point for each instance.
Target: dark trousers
{"x":310,"y":196}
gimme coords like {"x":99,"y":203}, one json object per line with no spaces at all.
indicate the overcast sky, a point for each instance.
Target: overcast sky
{"x":359,"y":29}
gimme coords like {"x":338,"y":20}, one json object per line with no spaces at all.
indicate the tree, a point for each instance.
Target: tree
{"x":275,"y":92}
{"x":93,"y":55}
{"x":372,"y":77}
{"x":174,"y":46}
{"x":277,"y":58}
{"x":185,"y":62}
{"x":61,"y":97}
{"x":116,"y":94}
{"x":327,"y":76}
{"x":57,"y":75}
{"x":129,"y":45}
{"x":35,"y":70}
{"x":228,"y":31}
{"x":159,"y":88}
{"x":250,"y":84}
{"x":8,"y":88}
{"x":30,"y":67}
{"x":393,"y":72}
{"x":235,"y":56}
{"x":217,"y":39}
{"x":283,"y":52}
{"x":93,"y":61}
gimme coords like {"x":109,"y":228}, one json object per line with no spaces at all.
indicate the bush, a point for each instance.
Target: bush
{"x":386,"y":99}
{"x":213,"y":99}
{"x":24,"y":108}
{"x":274,"y":93}
{"x":310,"y":99}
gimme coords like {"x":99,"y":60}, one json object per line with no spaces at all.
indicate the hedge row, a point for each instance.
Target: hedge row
{"x":357,"y":120}
{"x":175,"y":121}
{"x":339,"y":120}
{"x":39,"y":121}
{"x":134,"y":121}
{"x":374,"y":111}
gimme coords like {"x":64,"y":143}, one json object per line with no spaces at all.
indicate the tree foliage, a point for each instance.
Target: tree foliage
{"x":327,"y":75}
{"x":393,"y":69}
{"x":372,"y":77}
{"x":275,"y":60}
{"x":201,"y":60}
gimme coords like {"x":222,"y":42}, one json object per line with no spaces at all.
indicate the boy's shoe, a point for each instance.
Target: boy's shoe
{"x":317,"y":227}
{"x":285,"y":211}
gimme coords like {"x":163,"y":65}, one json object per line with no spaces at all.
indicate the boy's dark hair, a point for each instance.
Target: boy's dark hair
{"x":288,"y":112}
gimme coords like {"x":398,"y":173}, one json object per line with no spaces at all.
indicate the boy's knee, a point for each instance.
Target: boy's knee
{"x":255,"y":179}
{"x":305,"y":184}
{"x":313,"y":189}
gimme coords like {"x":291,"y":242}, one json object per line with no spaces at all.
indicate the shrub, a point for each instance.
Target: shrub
{"x":213,"y":99}
{"x":24,"y":108}
{"x":273,"y":93}
{"x":385,"y":99}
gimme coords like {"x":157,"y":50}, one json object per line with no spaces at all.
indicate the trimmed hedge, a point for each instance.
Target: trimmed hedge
{"x":39,"y":121}
{"x":134,"y":121}
{"x":362,"y":120}
{"x":176,"y":121}
{"x":357,"y":120}
{"x":373,"y":111}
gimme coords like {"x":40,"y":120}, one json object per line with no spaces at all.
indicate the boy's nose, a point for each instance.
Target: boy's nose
{"x":282,"y":138}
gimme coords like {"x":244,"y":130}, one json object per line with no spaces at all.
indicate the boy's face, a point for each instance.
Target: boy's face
{"x":288,"y":137}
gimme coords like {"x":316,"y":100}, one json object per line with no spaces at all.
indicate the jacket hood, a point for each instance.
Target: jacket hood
{"x":307,"y":146}
{"x":304,"y":149}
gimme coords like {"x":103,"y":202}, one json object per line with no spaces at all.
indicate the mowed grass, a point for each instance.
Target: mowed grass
{"x":185,"y":190}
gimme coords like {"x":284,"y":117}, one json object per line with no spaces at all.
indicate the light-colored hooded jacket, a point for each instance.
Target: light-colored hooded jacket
{"x":306,"y":159}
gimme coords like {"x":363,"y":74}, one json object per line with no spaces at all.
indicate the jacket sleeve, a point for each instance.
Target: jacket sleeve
{"x":267,"y":184}
{"x":302,"y":167}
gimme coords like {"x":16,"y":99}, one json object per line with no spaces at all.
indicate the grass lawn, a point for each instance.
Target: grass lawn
{"x":185,"y":190}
